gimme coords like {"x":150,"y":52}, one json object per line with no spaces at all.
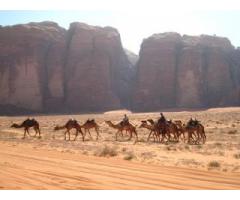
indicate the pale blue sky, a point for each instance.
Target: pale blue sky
{"x":134,"y":26}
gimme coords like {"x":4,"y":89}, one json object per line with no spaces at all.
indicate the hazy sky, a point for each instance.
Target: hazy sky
{"x":135,"y":25}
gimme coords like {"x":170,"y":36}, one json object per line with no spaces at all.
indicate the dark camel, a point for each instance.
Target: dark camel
{"x":198,"y":132}
{"x":91,"y":124}
{"x":194,"y":127}
{"x":120,"y":128}
{"x":71,"y":124}
{"x":163,"y":130}
{"x":26,"y":124}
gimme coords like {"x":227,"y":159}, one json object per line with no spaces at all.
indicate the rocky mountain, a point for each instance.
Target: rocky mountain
{"x":186,"y":72}
{"x":44,"y":67}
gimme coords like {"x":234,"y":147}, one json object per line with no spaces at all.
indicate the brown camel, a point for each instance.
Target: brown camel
{"x":153,"y":130}
{"x":120,"y":128}
{"x":181,"y":130}
{"x":71,"y":124}
{"x":163,"y":130}
{"x":26,"y":124}
{"x":198,"y":132}
{"x":91,"y":124}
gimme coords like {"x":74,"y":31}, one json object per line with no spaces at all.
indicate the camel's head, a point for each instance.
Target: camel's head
{"x":14,"y":125}
{"x":143,"y":124}
{"x":56,"y":128}
{"x":151,"y":121}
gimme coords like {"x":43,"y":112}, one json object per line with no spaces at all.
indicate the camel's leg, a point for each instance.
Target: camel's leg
{"x":83,"y":136}
{"x":205,"y":138}
{"x":135,"y":132}
{"x":117,"y":135}
{"x":36,"y":131}
{"x":149,"y":136}
{"x":96,"y":129}
{"x":176,"y":136}
{"x":65,"y":135}
{"x":90,"y":134}
{"x":189,"y":133}
{"x":76,"y":135}
{"x":24,"y":134}
{"x":130,"y":137}
{"x":39,"y":132}
{"x":69,"y":135}
{"x":27,"y":130}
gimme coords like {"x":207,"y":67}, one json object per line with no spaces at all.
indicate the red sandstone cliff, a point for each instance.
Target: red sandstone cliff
{"x":30,"y":65}
{"x":43,"y":67}
{"x":186,"y":71}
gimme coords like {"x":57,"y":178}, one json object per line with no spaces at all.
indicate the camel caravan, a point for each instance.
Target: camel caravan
{"x":161,"y":130}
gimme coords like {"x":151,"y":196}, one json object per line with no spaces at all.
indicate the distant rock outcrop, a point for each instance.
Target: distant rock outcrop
{"x":186,"y":71}
{"x":31,"y":65}
{"x":44,"y":67}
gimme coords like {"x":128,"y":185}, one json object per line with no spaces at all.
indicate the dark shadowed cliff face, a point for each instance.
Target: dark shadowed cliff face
{"x":96,"y":69}
{"x":45,"y":68}
{"x":30,"y":65}
{"x":189,"y":72}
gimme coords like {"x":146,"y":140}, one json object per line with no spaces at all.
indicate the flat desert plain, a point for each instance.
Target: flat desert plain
{"x":52,"y":163}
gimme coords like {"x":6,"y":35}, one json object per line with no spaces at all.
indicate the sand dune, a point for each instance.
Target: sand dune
{"x":24,"y":167}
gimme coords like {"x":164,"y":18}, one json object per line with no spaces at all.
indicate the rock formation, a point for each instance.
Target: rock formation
{"x":186,"y":72}
{"x":30,"y":65}
{"x":44,"y":67}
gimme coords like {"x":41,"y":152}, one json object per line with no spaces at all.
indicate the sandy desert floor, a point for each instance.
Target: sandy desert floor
{"x":52,"y":163}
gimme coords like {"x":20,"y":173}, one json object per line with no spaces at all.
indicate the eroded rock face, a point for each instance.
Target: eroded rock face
{"x":187,"y":72}
{"x":45,"y":68}
{"x":30,"y":58}
{"x":96,"y":68}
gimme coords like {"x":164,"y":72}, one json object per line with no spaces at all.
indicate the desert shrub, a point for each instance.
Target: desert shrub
{"x":106,"y":151}
{"x":236,"y":155}
{"x":124,"y":149}
{"x":232,"y":132}
{"x":214,"y":164}
{"x":218,"y":144}
{"x":129,"y":156}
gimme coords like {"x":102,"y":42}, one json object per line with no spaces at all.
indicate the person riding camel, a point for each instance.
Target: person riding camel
{"x":125,"y":120}
{"x":162,"y":119}
{"x":192,"y":123}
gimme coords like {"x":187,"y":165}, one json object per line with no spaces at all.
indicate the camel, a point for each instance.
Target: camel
{"x":128,"y":128}
{"x":200,"y":134}
{"x":153,"y":130}
{"x":26,"y":124}
{"x":197,"y":128}
{"x":71,"y":124}
{"x":181,"y":130}
{"x":163,"y":130}
{"x":91,"y":124}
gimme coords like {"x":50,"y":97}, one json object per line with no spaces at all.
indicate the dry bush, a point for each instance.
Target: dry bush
{"x":106,"y":151}
{"x":236,"y":155}
{"x":129,"y":156}
{"x":147,"y":155}
{"x":232,"y":132}
{"x":124,"y":149}
{"x":214,"y":164}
